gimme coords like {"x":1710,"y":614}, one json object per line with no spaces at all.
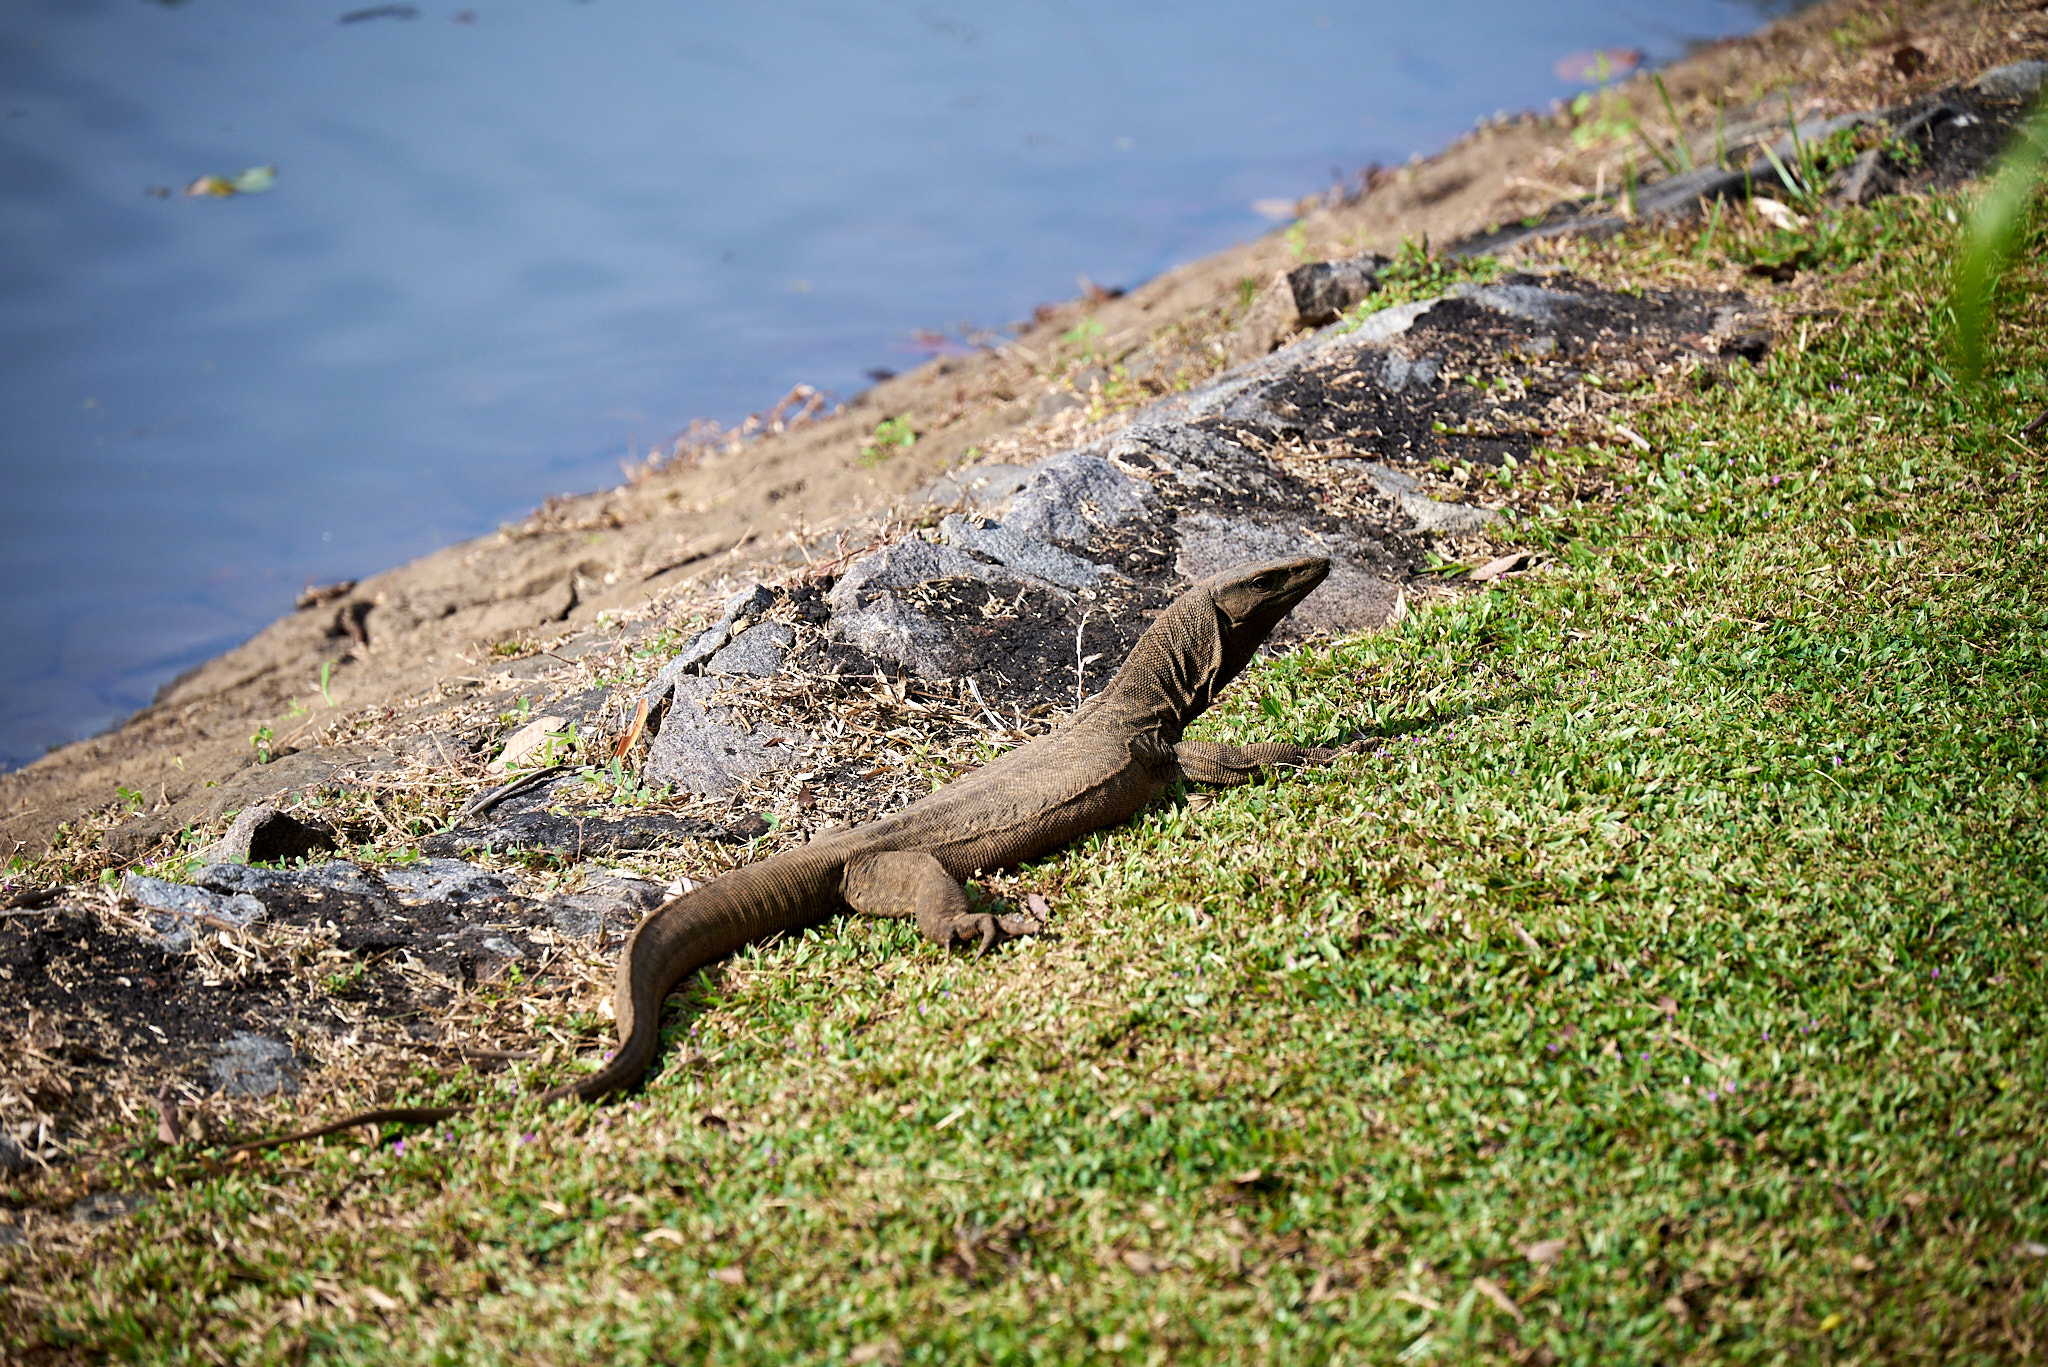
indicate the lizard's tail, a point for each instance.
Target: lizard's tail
{"x":681,"y":936}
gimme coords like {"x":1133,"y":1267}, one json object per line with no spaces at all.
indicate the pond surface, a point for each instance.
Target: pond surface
{"x":509,"y":245}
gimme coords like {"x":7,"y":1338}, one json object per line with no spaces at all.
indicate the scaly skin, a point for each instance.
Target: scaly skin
{"x":1121,"y":750}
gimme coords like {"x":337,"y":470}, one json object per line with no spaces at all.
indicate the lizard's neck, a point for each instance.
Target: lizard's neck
{"x":1171,"y":675}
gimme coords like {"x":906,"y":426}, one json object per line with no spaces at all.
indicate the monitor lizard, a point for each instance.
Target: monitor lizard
{"x":1120,"y":750}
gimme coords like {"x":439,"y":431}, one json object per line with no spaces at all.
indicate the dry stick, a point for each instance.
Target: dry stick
{"x":993,"y":720}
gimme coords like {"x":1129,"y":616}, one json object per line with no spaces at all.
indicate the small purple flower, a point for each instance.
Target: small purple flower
{"x":1937,"y":973}
{"x":398,"y":1146}
{"x":1767,"y":1034}
{"x":529,"y":1138}
{"x":1553,"y":1048}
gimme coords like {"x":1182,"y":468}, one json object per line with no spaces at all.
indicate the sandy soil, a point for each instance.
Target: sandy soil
{"x":800,"y":489}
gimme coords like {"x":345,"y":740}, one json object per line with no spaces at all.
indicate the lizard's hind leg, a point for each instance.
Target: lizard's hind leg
{"x":903,"y":884}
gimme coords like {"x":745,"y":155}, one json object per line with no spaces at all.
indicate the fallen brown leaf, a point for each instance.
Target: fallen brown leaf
{"x":1491,"y":1290}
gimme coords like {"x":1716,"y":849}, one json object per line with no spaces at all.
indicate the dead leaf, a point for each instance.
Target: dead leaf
{"x":1494,"y":569}
{"x":1776,"y":214}
{"x":805,"y":798}
{"x":1861,"y":1263}
{"x":1036,"y":905}
{"x":632,"y":736}
{"x":1491,"y":1290}
{"x":1140,"y":1262}
{"x":731,"y":1276}
{"x":1677,"y":1308}
{"x":379,"y":1299}
{"x":166,"y":1117}
{"x":1667,"y":1006}
{"x":1544,"y":1252}
{"x":1249,"y":1176}
{"x":888,"y":1352}
{"x":663,"y":1234}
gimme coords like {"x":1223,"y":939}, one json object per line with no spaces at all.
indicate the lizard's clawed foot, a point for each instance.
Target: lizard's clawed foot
{"x":985,"y":932}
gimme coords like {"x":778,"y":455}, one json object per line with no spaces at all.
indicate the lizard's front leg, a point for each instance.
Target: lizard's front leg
{"x":1206,"y":762}
{"x":910,"y":883}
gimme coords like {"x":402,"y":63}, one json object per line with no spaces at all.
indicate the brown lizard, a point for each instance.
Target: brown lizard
{"x":1119,"y":751}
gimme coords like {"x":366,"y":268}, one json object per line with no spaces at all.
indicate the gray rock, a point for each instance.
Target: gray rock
{"x":981,"y":485}
{"x":263,"y":834}
{"x":502,"y":947}
{"x":1386,"y":481}
{"x":104,"y":1206}
{"x":12,"y":1159}
{"x":11,"y":1235}
{"x":1867,"y":177}
{"x":1425,"y":513}
{"x":2015,"y":81}
{"x":252,"y":1065}
{"x":748,"y":603}
{"x":1450,"y":519}
{"x":755,"y":653}
{"x":905,"y":565}
{"x":1196,"y":459}
{"x":1008,"y":547}
{"x":1532,"y":302}
{"x":450,"y":881}
{"x":1350,"y":601}
{"x":888,"y":629}
{"x":699,"y":750}
{"x":1071,"y":496}
{"x":1324,"y":289}
{"x":337,"y":876}
{"x":174,"y":908}
{"x":619,"y":902}
{"x":1399,"y":373}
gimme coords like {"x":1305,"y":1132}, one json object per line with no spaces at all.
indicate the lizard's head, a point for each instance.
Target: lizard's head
{"x":1250,"y":603}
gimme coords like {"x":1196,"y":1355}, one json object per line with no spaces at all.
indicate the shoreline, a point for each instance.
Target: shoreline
{"x":667,"y":541}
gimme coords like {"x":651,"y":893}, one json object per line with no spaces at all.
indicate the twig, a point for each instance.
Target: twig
{"x":483,"y":802}
{"x":993,"y":720}
{"x":2031,"y":428}
{"x":42,"y":897}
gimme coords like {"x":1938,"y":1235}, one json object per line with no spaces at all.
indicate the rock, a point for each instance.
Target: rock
{"x":1324,"y":289}
{"x":1071,"y":496}
{"x":980,"y":485}
{"x":755,"y":653}
{"x":2015,"y":81}
{"x":1351,"y":600}
{"x":336,"y":878}
{"x":1006,"y":546}
{"x":1532,"y":302}
{"x":104,"y":1206}
{"x":175,"y":908}
{"x":1426,"y":513}
{"x":449,"y":881}
{"x":12,"y":1159}
{"x":699,"y":751}
{"x":748,"y":603}
{"x":1399,"y":374}
{"x":1198,"y":460}
{"x":605,"y":900}
{"x":1867,"y":178}
{"x":887,"y":629}
{"x":544,"y":819}
{"x":263,"y":834}
{"x":253,"y":1065}
{"x":529,"y":740}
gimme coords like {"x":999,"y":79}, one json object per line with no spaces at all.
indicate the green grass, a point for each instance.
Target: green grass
{"x":1685,"y":915}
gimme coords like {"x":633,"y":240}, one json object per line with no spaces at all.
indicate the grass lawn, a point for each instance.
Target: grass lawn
{"x":1665,"y":982}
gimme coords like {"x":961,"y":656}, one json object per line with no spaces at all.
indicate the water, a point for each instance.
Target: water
{"x":510,"y":245}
